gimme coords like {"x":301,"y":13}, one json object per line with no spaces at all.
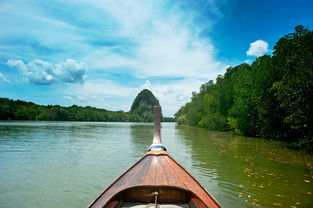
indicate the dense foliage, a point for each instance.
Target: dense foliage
{"x":271,"y":98}
{"x":143,"y":105}
{"x":21,"y":110}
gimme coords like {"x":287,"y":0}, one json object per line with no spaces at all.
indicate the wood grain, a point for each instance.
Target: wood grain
{"x":156,"y":171}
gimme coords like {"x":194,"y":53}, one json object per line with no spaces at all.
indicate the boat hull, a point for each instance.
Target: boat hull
{"x":155,"y":178}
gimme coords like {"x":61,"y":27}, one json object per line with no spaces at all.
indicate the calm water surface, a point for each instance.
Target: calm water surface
{"x":67,"y":164}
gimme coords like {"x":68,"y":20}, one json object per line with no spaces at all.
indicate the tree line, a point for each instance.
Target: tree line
{"x":22,"y":110}
{"x":270,"y":98}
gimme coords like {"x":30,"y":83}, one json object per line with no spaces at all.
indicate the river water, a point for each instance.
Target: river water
{"x":67,"y":164}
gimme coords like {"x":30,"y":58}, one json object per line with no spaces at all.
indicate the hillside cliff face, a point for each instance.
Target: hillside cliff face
{"x":143,"y":105}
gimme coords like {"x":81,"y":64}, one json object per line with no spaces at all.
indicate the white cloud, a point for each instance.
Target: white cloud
{"x":174,"y":52}
{"x":46,"y":73}
{"x":81,"y":98}
{"x":174,"y":95}
{"x":103,"y":87}
{"x":247,"y":61}
{"x":258,"y":48}
{"x":2,"y":77}
{"x":165,"y":42}
{"x":68,"y":97}
{"x":160,"y":38}
{"x":147,"y":85}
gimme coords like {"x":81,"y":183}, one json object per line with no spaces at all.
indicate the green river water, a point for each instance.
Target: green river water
{"x":67,"y":164}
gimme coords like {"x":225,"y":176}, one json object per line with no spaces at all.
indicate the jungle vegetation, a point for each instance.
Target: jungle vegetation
{"x":22,"y":110}
{"x":141,"y":111}
{"x":270,"y":98}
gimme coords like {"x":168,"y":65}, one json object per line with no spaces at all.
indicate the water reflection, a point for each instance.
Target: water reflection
{"x":250,"y":172}
{"x":141,"y":137}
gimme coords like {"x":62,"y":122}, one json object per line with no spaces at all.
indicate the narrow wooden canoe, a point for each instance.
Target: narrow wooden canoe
{"x":156,"y":180}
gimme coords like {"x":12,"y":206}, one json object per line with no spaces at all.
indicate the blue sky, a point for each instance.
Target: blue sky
{"x":103,"y":52}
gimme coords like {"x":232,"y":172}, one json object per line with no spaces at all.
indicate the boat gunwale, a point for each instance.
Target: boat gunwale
{"x":153,"y":153}
{"x":212,"y":197}
{"x":124,"y":173}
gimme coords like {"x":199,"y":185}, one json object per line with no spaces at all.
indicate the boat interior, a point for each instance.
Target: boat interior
{"x":158,"y":197}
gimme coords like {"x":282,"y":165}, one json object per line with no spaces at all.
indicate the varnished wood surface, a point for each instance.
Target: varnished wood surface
{"x":157,"y":169}
{"x":165,"y":195}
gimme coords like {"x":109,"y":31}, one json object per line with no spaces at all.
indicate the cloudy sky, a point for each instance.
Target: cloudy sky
{"x":103,"y":52}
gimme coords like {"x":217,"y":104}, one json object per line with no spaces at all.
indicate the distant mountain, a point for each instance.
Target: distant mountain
{"x":143,"y":105}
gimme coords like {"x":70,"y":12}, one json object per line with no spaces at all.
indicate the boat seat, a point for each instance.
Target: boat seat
{"x":162,"y":205}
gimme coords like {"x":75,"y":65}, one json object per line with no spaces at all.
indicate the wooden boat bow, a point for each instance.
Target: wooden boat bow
{"x":156,"y":176}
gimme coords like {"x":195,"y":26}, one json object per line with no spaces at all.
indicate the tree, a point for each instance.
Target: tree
{"x":293,"y":56}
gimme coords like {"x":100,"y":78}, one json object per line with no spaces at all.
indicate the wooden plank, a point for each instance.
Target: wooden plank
{"x":126,"y":180}
{"x":160,"y":177}
{"x":165,"y":195}
{"x":192,"y":184}
{"x":172,"y":177}
{"x":141,"y":172}
{"x":186,"y":178}
{"x":168,"y":195}
{"x":112,"y":204}
{"x":150,"y":175}
{"x":157,"y":152}
{"x":197,"y":203}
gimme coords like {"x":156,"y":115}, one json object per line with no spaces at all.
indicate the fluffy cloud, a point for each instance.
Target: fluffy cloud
{"x":68,"y":97}
{"x":174,"y":52}
{"x":147,"y":85}
{"x":258,"y":48}
{"x":143,"y":38}
{"x":161,"y":42}
{"x":46,"y":73}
